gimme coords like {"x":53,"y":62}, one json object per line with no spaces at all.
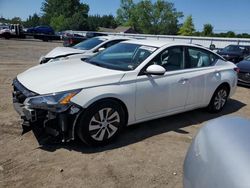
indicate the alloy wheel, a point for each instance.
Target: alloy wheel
{"x":220,"y":99}
{"x":104,"y":124}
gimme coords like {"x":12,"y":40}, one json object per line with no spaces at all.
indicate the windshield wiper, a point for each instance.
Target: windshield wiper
{"x":98,"y":64}
{"x":92,"y":62}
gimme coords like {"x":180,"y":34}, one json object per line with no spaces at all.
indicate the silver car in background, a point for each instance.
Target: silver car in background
{"x":82,"y":50}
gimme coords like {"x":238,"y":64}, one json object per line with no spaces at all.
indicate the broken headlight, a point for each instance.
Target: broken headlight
{"x":56,"y":102}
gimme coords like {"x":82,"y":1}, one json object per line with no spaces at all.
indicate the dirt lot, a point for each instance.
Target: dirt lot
{"x":150,"y":154}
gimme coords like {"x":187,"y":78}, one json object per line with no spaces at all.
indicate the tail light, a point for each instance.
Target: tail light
{"x":237,"y":69}
{"x":71,"y":41}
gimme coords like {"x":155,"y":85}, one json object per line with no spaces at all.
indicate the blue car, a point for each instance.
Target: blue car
{"x":41,"y":30}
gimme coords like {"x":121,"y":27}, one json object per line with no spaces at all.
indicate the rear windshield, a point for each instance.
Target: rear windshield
{"x":234,"y":48}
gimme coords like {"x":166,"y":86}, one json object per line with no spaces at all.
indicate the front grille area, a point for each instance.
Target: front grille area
{"x":20,"y":93}
{"x":244,"y":76}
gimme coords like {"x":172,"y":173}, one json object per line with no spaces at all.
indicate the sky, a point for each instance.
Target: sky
{"x":224,"y":15}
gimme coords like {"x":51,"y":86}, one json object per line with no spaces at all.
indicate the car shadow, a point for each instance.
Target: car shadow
{"x":138,"y":132}
{"x":244,"y":86}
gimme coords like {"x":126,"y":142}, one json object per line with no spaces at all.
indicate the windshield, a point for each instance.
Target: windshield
{"x":122,"y":56}
{"x":89,"y":44}
{"x":234,"y":48}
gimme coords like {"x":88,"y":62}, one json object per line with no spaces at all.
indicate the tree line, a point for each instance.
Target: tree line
{"x":160,"y":17}
{"x":188,"y":29}
{"x":65,"y":15}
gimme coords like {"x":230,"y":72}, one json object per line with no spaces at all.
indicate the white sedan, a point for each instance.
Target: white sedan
{"x":83,"y":49}
{"x":128,"y":83}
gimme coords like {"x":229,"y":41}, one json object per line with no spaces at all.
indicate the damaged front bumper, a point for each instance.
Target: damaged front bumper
{"x":57,"y":125}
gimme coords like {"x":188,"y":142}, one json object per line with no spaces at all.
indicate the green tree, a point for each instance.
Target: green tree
{"x":127,"y":14}
{"x":187,"y":29}
{"x":158,"y":18}
{"x":207,"y":30}
{"x":32,"y":21}
{"x":243,"y":35}
{"x":75,"y":14}
{"x":197,"y":33}
{"x":3,"y":20}
{"x":77,"y":22}
{"x":58,"y":23}
{"x":152,"y":18}
{"x":108,"y":21}
{"x":230,"y":34}
{"x":16,"y":20}
{"x":96,"y":21}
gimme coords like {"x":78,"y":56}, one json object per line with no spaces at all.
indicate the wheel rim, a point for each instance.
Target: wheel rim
{"x":220,"y":99}
{"x":104,"y":124}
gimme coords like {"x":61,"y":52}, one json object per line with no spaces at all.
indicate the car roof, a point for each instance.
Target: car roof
{"x":111,"y":37}
{"x":148,"y":42}
{"x":159,"y":44}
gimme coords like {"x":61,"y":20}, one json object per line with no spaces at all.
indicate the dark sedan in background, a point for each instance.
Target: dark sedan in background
{"x":244,"y":72}
{"x":73,"y":39}
{"x":235,"y":53}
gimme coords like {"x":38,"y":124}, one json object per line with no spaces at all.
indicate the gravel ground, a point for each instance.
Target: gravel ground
{"x":149,"y":154}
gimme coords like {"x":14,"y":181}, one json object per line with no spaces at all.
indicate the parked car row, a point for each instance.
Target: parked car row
{"x":97,"y":87}
{"x":235,"y":53}
{"x":240,"y":55}
{"x":244,"y":71}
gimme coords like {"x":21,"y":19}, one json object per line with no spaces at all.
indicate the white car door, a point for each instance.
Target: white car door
{"x":198,"y":69}
{"x":158,"y":95}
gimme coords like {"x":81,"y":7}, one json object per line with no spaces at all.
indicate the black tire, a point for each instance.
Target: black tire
{"x":103,"y":132}
{"x":219,"y":99}
{"x":45,"y":39}
{"x":6,"y":36}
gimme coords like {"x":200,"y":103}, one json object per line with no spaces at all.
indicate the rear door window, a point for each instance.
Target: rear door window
{"x":171,"y":58}
{"x":196,"y":58}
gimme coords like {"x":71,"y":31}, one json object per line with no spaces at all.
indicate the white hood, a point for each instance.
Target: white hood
{"x":67,"y":75}
{"x":63,"y":51}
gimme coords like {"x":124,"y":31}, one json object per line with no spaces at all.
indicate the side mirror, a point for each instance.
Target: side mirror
{"x":155,"y":70}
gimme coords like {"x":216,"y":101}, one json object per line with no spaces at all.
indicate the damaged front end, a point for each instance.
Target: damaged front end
{"x":53,"y":114}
